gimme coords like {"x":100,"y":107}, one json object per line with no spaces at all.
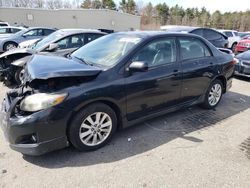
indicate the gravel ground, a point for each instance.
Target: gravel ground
{"x":188,"y":148}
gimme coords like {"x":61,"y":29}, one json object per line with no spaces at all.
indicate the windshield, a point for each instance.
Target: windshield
{"x":107,"y":50}
{"x":19,"y":33}
{"x":50,"y":38}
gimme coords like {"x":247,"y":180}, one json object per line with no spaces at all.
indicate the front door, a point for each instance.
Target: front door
{"x":160,"y":86}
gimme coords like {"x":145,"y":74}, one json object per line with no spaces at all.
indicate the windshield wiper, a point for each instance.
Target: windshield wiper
{"x":83,"y":60}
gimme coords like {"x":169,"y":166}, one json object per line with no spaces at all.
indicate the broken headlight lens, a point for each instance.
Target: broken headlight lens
{"x":41,"y":101}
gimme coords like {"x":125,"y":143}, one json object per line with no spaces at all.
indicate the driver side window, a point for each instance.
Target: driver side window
{"x":31,"y":33}
{"x":63,"y":43}
{"x":157,"y":53}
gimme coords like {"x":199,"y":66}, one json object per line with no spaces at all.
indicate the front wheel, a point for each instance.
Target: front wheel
{"x":9,"y":46}
{"x":92,"y":127}
{"x":213,"y":95}
{"x":19,"y":74}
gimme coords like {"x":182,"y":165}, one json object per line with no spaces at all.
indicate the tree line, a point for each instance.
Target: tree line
{"x":152,"y":16}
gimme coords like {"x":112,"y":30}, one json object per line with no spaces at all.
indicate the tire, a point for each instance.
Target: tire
{"x":18,"y":75}
{"x":82,"y":127}
{"x":209,"y":97}
{"x":9,"y":45}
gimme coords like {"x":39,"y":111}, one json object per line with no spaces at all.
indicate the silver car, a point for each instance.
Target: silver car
{"x":7,"y":31}
{"x":24,"y":35}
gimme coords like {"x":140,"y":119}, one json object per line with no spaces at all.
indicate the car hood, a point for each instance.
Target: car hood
{"x":44,"y":67}
{"x":17,"y":51}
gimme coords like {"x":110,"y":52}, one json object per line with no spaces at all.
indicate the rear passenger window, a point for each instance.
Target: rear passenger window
{"x":211,"y":35}
{"x":192,"y":48}
{"x":236,"y":34}
{"x":47,"y":32}
{"x":198,"y":32}
{"x":158,"y":53}
{"x":228,"y":34}
{"x":77,"y":41}
{"x":92,"y":36}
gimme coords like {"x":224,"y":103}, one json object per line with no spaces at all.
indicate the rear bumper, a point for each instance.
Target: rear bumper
{"x":229,"y":84}
{"x":35,"y":134}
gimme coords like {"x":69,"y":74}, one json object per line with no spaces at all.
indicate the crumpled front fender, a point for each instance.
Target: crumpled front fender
{"x":21,"y":62}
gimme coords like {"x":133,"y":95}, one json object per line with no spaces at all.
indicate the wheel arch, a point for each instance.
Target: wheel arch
{"x":109,"y":103}
{"x":223,"y":80}
{"x":5,"y":43}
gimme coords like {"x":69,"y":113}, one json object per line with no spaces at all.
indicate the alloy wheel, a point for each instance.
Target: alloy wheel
{"x":215,"y":94}
{"x":95,"y":129}
{"x":10,"y":46}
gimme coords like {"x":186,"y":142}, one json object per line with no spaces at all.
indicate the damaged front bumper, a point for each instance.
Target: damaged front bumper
{"x":34,"y":134}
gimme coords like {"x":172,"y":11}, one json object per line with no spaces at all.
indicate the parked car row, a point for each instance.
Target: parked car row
{"x":61,"y":43}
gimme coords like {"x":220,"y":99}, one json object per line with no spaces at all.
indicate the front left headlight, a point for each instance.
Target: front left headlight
{"x":41,"y":101}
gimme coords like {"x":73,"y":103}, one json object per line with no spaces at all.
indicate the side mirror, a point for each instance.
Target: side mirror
{"x":52,"y":47}
{"x":138,"y":66}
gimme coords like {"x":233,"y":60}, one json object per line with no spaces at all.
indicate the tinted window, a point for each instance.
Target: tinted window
{"x":47,"y":32}
{"x":14,"y":30}
{"x":211,"y":35}
{"x":236,"y":34}
{"x":228,"y":34}
{"x":74,"y":41}
{"x":3,"y":24}
{"x":198,"y":32}
{"x":31,"y":33}
{"x":3,"y":30}
{"x":192,"y":48}
{"x":63,"y":43}
{"x":92,"y":36}
{"x":158,"y":53}
{"x":39,"y":32}
{"x":77,"y":41}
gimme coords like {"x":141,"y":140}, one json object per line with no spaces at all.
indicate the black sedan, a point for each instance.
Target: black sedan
{"x":242,"y":67}
{"x":111,"y":83}
{"x":216,"y":38}
{"x":61,"y":43}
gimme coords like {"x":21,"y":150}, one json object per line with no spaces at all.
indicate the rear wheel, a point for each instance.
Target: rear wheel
{"x":213,"y":95}
{"x":92,"y":127}
{"x":9,"y":45}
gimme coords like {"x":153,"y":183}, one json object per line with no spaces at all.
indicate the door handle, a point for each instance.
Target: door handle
{"x":176,"y":72}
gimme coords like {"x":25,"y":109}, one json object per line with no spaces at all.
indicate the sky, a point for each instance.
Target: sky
{"x":211,"y":5}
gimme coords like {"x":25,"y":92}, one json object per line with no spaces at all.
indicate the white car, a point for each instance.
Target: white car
{"x":233,"y":38}
{"x":28,"y":43}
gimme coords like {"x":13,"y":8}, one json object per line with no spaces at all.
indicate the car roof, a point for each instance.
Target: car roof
{"x":227,"y":30}
{"x":73,"y":31}
{"x":29,"y":28}
{"x":12,"y":27}
{"x":149,"y":34}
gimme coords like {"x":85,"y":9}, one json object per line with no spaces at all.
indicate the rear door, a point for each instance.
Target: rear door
{"x":198,"y":66}
{"x":159,"y":87}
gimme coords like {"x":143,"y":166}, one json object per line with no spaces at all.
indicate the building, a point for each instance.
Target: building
{"x":72,"y":18}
